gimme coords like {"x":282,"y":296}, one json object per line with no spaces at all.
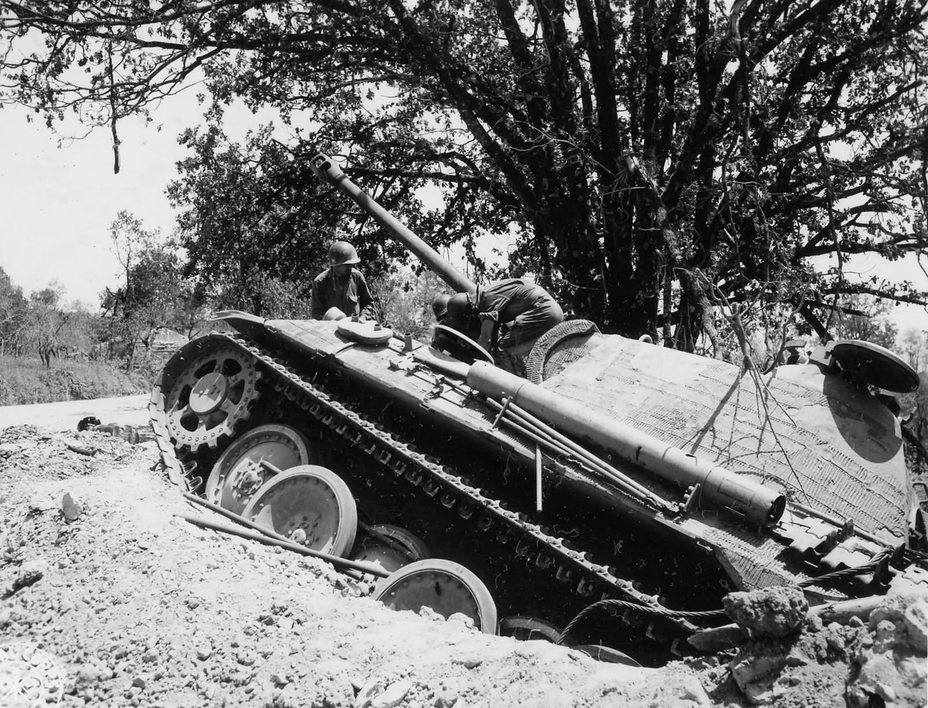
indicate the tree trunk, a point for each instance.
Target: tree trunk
{"x":576,"y":252}
{"x":130,"y":356}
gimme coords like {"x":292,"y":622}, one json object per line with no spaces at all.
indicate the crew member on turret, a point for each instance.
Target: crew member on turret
{"x":341,"y":290}
{"x":511,"y":315}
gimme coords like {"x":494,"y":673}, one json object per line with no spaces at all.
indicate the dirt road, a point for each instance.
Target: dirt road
{"x":127,"y":410}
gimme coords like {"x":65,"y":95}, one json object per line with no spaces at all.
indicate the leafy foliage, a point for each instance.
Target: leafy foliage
{"x":913,"y":346}
{"x":47,"y":325}
{"x":403,"y":301}
{"x":26,"y":380}
{"x":657,"y":158}
{"x":153,"y":295}
{"x":249,"y":233}
{"x":868,"y":318}
{"x":41,"y":324}
{"x":13,"y":307}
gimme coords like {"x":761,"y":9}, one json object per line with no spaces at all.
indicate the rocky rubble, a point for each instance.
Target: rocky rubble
{"x":110,"y":599}
{"x":791,"y":657}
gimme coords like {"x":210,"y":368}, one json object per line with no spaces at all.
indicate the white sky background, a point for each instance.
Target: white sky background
{"x":57,"y":203}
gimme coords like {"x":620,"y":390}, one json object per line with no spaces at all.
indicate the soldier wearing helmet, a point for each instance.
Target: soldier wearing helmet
{"x":507,"y":317}
{"x":341,"y":290}
{"x":440,"y":306}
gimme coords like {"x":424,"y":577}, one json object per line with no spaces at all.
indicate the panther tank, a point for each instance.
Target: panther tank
{"x":615,"y":488}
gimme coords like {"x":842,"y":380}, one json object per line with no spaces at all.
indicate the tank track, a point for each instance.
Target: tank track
{"x":525,"y":540}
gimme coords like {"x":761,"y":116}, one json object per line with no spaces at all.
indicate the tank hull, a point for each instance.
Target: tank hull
{"x":420,"y":447}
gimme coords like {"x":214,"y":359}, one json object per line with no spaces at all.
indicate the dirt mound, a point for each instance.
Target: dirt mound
{"x":129,"y":605}
{"x":109,"y":599}
{"x":877,"y":662}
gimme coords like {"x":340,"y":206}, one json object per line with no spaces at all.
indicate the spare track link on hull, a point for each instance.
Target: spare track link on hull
{"x":526,"y":539}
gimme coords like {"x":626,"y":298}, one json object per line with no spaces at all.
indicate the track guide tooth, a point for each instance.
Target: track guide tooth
{"x":543,"y":561}
{"x":585,"y":588}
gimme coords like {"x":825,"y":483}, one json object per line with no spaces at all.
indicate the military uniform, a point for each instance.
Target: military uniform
{"x":522,"y":312}
{"x":349,"y":294}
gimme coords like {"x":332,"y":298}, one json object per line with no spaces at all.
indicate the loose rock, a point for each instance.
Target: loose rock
{"x":772,"y":612}
{"x":70,"y":509}
{"x":172,"y":625}
{"x":30,"y":573}
{"x":392,"y":696}
{"x":916,"y":625}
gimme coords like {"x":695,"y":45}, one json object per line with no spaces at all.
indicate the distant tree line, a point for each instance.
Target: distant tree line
{"x":156,"y":295}
{"x":153,"y":296}
{"x":41,"y":324}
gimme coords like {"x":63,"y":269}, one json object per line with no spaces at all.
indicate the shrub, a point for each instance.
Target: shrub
{"x":25,"y":380}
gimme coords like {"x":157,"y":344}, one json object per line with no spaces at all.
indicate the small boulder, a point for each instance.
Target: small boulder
{"x":8,"y":449}
{"x":30,"y":573}
{"x":70,"y":508}
{"x":884,"y":636}
{"x":756,"y":673}
{"x":916,"y":625}
{"x":392,"y":696}
{"x":463,"y":619}
{"x":367,"y":692}
{"x":776,"y":611}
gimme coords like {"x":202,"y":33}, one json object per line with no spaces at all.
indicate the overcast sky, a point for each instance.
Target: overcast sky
{"x":57,"y":202}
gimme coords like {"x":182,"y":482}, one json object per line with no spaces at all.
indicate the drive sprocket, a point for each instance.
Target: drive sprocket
{"x":212,"y":395}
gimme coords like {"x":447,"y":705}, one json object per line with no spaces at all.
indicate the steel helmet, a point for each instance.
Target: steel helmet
{"x":342,"y":253}
{"x":440,"y":305}
{"x":333,"y":313}
{"x":459,"y":306}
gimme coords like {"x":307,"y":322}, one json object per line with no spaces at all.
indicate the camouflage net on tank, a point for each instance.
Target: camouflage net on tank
{"x":557,"y":348}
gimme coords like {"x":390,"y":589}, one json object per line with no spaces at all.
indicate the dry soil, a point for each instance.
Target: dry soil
{"x":109,"y":599}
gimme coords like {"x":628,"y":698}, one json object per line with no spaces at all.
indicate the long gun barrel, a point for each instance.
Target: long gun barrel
{"x":325,"y":167}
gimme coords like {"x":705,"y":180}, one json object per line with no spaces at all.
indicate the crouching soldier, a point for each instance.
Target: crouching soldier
{"x":507,"y":318}
{"x":341,"y":290}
